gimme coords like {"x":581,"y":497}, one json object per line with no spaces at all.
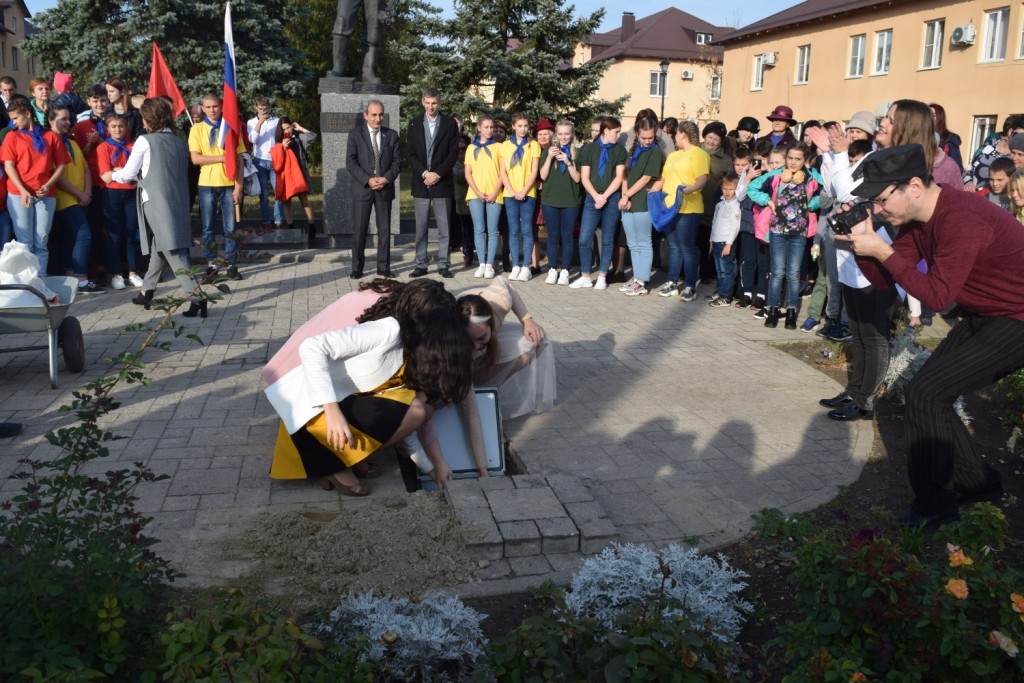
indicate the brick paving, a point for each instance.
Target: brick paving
{"x":675,"y":421}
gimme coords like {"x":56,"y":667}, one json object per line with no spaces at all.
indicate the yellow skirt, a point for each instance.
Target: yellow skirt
{"x":373,"y":418}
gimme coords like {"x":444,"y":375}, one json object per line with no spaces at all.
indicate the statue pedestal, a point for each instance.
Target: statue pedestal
{"x":342,"y":102}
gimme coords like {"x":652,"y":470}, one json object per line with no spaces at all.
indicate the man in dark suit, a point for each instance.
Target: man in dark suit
{"x":373,"y":160}
{"x":433,"y":146}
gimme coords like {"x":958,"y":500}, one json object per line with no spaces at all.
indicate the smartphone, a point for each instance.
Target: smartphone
{"x":757,"y":164}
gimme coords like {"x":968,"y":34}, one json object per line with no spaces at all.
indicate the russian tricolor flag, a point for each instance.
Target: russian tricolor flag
{"x":229,"y":122}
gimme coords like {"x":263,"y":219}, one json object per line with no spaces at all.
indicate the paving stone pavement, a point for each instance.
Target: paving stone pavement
{"x":681,"y":420}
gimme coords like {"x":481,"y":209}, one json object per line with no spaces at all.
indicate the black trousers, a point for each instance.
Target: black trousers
{"x":870,"y":312}
{"x":942,"y":457}
{"x":361,"y":226}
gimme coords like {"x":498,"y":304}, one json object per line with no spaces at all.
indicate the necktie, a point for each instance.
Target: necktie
{"x":602,"y":161}
{"x":376,"y":153}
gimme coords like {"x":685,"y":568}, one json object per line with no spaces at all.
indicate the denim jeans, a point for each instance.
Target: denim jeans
{"x":682,"y":248}
{"x":561,"y":224}
{"x":6,"y":227}
{"x":753,"y":264}
{"x":32,"y":225}
{"x":520,"y":228}
{"x":725,"y":269}
{"x":485,"y":229}
{"x":75,"y":239}
{"x":637,"y":226}
{"x":122,"y":220}
{"x":209,"y":199}
{"x":592,"y":218}
{"x":787,"y":252}
{"x":268,"y":180}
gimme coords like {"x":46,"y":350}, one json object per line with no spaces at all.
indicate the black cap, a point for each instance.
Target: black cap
{"x":881,"y":169}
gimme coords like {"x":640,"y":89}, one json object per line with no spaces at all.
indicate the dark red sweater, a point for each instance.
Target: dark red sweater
{"x":975,"y":256}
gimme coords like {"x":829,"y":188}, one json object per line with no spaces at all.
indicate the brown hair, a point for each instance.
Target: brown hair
{"x":156,"y":114}
{"x":402,"y":300}
{"x":471,"y":305}
{"x":913,"y":123}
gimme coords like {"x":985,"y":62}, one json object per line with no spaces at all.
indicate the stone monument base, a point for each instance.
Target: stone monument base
{"x":342,"y":102}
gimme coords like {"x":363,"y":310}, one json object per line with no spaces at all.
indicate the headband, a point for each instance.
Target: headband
{"x":479,"y":319}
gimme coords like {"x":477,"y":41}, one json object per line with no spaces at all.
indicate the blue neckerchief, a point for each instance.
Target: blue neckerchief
{"x":12,"y":125}
{"x":567,"y":151}
{"x":517,"y":156}
{"x":120,"y":149}
{"x":38,"y":143}
{"x":214,"y":130}
{"x":71,"y":148}
{"x":482,"y":146}
{"x":602,"y":161}
{"x":101,"y":127}
{"x":637,"y":152}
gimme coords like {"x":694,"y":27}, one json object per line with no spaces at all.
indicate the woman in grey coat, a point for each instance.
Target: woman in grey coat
{"x":160,"y":160}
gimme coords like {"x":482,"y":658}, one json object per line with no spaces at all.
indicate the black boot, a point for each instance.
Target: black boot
{"x":772,"y":318}
{"x":143,"y":298}
{"x":196,"y":308}
{"x":311,"y":234}
{"x":790,"y":318}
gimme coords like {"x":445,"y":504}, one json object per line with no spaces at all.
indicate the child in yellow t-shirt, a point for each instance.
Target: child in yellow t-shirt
{"x":484,"y":196}
{"x":520,"y":157}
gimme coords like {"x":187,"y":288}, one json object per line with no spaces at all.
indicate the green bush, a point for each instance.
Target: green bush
{"x":238,"y":640}
{"x":877,"y":609}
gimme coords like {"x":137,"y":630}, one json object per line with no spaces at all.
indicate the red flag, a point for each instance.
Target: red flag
{"x":161,"y":83}
{"x":230,"y":132}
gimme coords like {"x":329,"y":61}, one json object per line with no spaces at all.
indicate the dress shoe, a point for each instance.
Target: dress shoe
{"x":419,"y":271}
{"x":232,"y":272}
{"x":143,"y":299}
{"x":836,"y":401}
{"x":790,"y":318}
{"x":445,"y":273}
{"x":196,"y":308}
{"x":387,"y":273}
{"x":850,"y":413}
{"x":356,"y":274}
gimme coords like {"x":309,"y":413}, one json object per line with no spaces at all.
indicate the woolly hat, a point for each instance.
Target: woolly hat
{"x":865,"y":121}
{"x":1017,"y":142}
{"x":63,"y":82}
{"x":749,"y":123}
{"x":716,"y":127}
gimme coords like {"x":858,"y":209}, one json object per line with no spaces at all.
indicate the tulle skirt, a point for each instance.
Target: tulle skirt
{"x":525,"y":376}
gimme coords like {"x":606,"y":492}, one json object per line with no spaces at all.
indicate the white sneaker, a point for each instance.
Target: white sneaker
{"x":552,"y":278}
{"x":488,"y":272}
{"x":514,"y":275}
{"x":480,"y":271}
{"x":563,"y":277}
{"x":601,"y":283}
{"x":135,"y":280}
{"x":669,"y":289}
{"x":628,"y":285}
{"x":583,"y":282}
{"x":117,"y":282}
{"x":525,"y":274}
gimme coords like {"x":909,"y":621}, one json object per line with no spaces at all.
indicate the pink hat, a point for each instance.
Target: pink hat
{"x":782,"y":113}
{"x":63,"y":82}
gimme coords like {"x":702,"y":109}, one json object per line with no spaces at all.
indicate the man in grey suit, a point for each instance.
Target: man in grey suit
{"x":433,"y":146}
{"x":373,"y":160}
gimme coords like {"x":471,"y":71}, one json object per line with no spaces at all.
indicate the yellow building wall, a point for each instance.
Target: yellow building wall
{"x":631,"y":76}
{"x":964,"y":85}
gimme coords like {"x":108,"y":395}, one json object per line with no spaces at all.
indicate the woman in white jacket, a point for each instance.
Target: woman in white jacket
{"x":364,"y":387}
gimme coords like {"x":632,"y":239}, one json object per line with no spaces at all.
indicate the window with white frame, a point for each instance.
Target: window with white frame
{"x":856,"y":68}
{"x":983,"y":127}
{"x":803,"y":64}
{"x":716,"y":87}
{"x":703,"y":38}
{"x":758,"y":81}
{"x":932,"y":55}
{"x":657,"y":84}
{"x":997,"y":27}
{"x":883,"y":52}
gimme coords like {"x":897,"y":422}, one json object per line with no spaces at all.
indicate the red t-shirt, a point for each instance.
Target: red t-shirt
{"x":105,"y":159}
{"x":81,"y":136}
{"x":33,"y":167}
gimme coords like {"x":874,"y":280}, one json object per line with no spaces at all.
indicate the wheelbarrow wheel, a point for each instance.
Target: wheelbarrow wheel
{"x":72,"y":345}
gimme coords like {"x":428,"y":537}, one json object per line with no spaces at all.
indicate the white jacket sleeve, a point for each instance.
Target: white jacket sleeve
{"x":320,"y":354}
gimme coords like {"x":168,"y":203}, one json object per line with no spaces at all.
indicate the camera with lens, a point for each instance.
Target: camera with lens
{"x":842,"y":223}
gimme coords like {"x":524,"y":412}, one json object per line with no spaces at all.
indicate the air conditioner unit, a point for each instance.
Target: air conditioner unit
{"x":769,"y":58}
{"x":686,"y":75}
{"x":963,"y":35}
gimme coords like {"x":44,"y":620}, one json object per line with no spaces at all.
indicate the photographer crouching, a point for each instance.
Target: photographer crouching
{"x":974,"y":253}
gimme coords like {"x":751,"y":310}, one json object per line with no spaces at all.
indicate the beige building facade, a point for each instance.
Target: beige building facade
{"x":691,"y":84}
{"x":967,"y":56}
{"x":13,"y":61}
